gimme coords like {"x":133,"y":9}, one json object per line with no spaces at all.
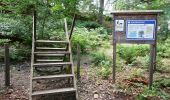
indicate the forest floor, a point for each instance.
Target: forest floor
{"x":90,"y":86}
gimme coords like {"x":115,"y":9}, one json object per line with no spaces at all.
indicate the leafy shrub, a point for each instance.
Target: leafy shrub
{"x":151,"y":93}
{"x":88,"y":24}
{"x":100,"y":57}
{"x":137,"y":73}
{"x":127,"y":53}
{"x":104,"y":62}
{"x":163,"y":49}
{"x":17,"y":53}
{"x":130,"y":52}
{"x":145,"y":61}
{"x":163,"y":82}
{"x":80,"y":38}
{"x":87,"y":39}
{"x":105,"y":72}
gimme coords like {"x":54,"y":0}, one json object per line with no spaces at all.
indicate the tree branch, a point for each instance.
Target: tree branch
{"x":11,"y":38}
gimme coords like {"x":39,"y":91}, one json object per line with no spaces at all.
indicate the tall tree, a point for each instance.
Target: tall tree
{"x":101,"y":9}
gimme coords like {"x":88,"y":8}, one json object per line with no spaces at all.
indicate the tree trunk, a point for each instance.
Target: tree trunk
{"x":101,"y":9}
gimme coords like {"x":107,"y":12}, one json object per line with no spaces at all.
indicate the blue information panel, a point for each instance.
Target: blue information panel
{"x":140,"y":29}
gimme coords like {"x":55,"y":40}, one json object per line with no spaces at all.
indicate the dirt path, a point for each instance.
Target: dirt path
{"x":90,"y":87}
{"x":19,"y":88}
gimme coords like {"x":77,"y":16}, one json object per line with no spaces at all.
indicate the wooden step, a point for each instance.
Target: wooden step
{"x":52,"y":52}
{"x":51,"y":41}
{"x":52,"y":76}
{"x":49,"y":55}
{"x":49,"y":64}
{"x":63,"y":90}
{"x":48,"y":60}
{"x":48,"y":48}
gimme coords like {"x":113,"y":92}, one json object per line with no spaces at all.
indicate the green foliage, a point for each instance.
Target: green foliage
{"x":88,"y":24}
{"x":105,"y":72}
{"x":137,"y":72}
{"x":130,"y":52}
{"x":17,"y":53}
{"x":103,"y":62}
{"x":144,"y":62}
{"x":151,"y":93}
{"x":163,"y":49}
{"x":162,"y":83}
{"x":87,"y":39}
{"x":80,"y":38}
{"x":100,"y":58}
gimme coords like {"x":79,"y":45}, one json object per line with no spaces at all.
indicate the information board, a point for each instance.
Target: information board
{"x":140,"y":29}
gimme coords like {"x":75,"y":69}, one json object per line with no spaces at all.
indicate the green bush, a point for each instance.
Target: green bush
{"x":145,"y":61}
{"x":88,"y":24}
{"x":79,"y":38}
{"x":130,"y":52}
{"x":162,"y":83}
{"x":99,"y":57}
{"x":163,"y":49}
{"x":127,"y":53}
{"x":151,"y":93}
{"x":105,"y":72}
{"x":18,"y":53}
{"x":137,"y":72}
{"x":88,"y":40}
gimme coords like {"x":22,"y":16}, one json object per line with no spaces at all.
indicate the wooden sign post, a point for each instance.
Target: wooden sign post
{"x":136,"y":27}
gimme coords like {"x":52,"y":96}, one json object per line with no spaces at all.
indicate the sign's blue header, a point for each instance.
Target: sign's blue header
{"x":141,"y":21}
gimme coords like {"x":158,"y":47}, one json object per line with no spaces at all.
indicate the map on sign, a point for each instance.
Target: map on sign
{"x":140,"y":29}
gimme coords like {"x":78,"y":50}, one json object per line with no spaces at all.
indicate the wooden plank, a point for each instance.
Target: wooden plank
{"x":53,"y":91}
{"x":48,"y":48}
{"x":78,"y":61}
{"x":52,"y":76}
{"x":49,"y":60}
{"x":7,"y":66}
{"x":52,"y":52}
{"x":50,"y":55}
{"x":50,"y":41}
{"x":49,"y":64}
{"x":137,"y":12}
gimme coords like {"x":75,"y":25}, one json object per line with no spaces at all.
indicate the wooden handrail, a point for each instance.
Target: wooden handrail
{"x":72,"y":26}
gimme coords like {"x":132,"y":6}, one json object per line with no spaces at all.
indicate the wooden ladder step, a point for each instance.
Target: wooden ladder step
{"x":63,"y":90}
{"x":51,"y":41}
{"x":49,"y":64}
{"x":49,"y":55}
{"x":48,"y":60}
{"x":48,"y":48}
{"x":52,"y":76}
{"x":52,"y":52}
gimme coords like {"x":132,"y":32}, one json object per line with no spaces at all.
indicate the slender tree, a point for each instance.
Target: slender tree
{"x":101,"y":9}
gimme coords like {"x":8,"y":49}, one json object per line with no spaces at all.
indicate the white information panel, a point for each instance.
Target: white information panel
{"x":119,"y":25}
{"x":140,"y":29}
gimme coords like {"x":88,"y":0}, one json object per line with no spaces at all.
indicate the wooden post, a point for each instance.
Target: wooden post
{"x":154,"y":59}
{"x":34,"y":24}
{"x":155,"y":47}
{"x":152,"y":47}
{"x":7,"y":66}
{"x":114,"y":62}
{"x":78,"y":61}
